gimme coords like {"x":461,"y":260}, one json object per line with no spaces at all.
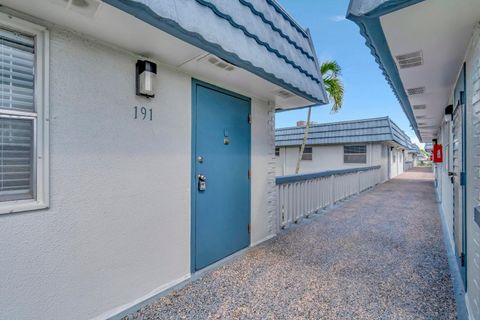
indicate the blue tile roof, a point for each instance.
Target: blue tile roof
{"x":357,"y":131}
{"x":256,"y":35}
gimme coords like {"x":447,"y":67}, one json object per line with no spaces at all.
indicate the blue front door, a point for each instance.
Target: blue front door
{"x":221,"y":182}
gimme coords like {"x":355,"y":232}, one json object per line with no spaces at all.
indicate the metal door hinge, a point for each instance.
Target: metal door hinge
{"x":249,"y":174}
{"x":462,"y":259}
{"x":249,"y":118}
{"x":249,"y":228}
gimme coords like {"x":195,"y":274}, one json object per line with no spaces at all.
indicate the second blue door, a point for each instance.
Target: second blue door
{"x":221,"y":183}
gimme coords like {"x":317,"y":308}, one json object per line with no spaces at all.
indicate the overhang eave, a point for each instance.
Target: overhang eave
{"x":371,"y":29}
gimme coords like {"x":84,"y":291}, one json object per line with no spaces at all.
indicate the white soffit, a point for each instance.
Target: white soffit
{"x":122,"y":30}
{"x":440,"y":30}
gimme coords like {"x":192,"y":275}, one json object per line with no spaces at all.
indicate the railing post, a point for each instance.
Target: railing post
{"x":279,"y":207}
{"x":299,"y":196}
{"x":358,"y":184}
{"x":332,"y":195}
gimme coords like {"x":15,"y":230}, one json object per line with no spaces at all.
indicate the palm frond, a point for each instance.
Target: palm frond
{"x":331,"y":72}
{"x":335,"y":90}
{"x":330,"y":69}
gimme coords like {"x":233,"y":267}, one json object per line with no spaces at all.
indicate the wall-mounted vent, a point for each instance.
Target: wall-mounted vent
{"x":415,"y":91}
{"x":420,"y":107}
{"x":410,"y":60}
{"x":84,"y":7}
{"x":221,"y":63}
{"x":284,"y":94}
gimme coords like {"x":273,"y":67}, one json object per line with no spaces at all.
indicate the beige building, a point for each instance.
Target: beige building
{"x":344,"y":145}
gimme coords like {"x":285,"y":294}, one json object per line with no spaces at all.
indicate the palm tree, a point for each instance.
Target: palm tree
{"x":331,"y":72}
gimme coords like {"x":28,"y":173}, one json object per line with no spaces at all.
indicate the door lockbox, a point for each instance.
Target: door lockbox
{"x":202,"y":182}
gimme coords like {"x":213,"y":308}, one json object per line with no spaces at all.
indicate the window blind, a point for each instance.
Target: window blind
{"x":16,"y":71}
{"x":17,"y":56}
{"x":355,"y":154}
{"x":16,"y":158}
{"x":307,"y":153}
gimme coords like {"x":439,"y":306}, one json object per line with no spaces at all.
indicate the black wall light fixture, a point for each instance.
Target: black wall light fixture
{"x":146,"y":72}
{"x":449,"y":112}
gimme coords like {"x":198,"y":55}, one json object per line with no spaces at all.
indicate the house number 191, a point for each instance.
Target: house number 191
{"x":143,"y":113}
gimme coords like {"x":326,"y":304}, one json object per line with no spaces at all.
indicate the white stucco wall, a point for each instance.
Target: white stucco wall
{"x":118,"y":228}
{"x":327,"y":157}
{"x":445,"y":185}
{"x":264,"y":196}
{"x":473,"y":174}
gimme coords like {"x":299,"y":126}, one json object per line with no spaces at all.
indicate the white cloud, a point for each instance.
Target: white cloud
{"x":338,"y":18}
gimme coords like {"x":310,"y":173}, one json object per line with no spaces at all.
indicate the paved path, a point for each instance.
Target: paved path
{"x":379,"y":255}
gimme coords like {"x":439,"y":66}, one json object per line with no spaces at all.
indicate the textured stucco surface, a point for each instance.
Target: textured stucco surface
{"x":329,"y":157}
{"x":263,"y":186}
{"x":378,"y":256}
{"x":108,"y":226}
{"x":118,"y":227}
{"x":473,"y":173}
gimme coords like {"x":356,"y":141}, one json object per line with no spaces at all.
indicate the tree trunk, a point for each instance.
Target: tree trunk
{"x":305,"y":137}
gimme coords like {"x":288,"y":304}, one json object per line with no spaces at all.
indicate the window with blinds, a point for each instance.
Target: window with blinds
{"x":17,"y":115}
{"x":307,"y":153}
{"x":355,"y":154}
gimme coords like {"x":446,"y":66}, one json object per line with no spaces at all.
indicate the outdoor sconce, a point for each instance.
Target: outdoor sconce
{"x":145,"y":78}
{"x":449,"y":112}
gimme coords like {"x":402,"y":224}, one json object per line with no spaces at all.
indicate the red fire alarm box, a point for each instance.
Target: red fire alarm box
{"x":437,"y":153}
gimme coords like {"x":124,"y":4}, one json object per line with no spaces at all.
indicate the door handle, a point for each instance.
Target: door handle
{"x":202,"y":182}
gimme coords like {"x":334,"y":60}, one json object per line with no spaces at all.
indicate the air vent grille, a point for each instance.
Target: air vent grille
{"x":221,"y":63}
{"x":420,"y":107}
{"x":284,"y":94}
{"x":415,"y":91}
{"x":84,"y":7}
{"x":410,"y":60}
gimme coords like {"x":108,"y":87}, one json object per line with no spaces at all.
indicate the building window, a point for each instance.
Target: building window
{"x":307,"y":153}
{"x":23,"y":130}
{"x":394,"y":156}
{"x":277,"y":151}
{"x":355,"y":154}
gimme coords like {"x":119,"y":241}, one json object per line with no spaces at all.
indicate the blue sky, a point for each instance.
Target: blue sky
{"x":367,"y":94}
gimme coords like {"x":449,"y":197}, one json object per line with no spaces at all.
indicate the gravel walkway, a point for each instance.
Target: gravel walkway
{"x":379,"y":255}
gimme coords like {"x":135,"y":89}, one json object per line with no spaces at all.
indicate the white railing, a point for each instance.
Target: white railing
{"x":407,"y":165}
{"x":301,"y":195}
